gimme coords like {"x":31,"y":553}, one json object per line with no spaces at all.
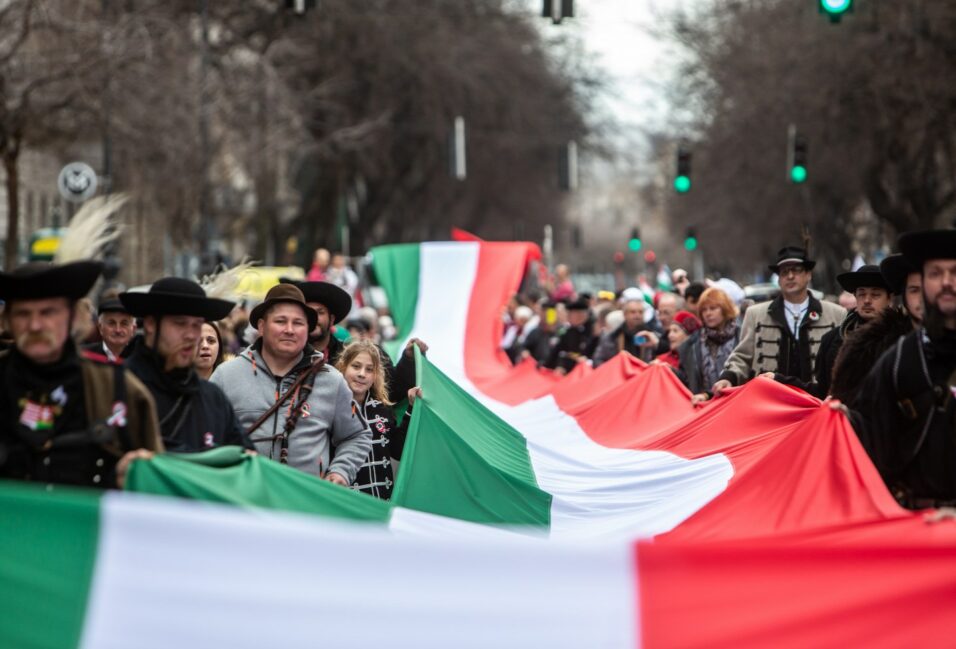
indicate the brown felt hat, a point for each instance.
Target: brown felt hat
{"x":283,"y":293}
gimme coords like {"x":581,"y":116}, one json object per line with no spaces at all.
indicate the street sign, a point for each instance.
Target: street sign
{"x":77,"y":182}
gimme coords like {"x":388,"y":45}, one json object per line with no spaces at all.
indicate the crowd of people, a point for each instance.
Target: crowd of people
{"x":162,"y":378}
{"x":884,"y":352}
{"x":177,"y":370}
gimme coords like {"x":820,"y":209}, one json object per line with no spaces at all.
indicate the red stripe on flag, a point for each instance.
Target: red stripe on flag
{"x":884,"y":584}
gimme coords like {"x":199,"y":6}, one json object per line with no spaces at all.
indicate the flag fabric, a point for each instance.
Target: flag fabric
{"x":619,"y":450}
{"x":86,"y":569}
{"x":594,"y":510}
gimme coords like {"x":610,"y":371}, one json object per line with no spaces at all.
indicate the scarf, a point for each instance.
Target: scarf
{"x":722,"y":334}
{"x":715,"y":348}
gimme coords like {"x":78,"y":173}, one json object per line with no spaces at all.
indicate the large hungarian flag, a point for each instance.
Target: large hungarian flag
{"x":598,"y":510}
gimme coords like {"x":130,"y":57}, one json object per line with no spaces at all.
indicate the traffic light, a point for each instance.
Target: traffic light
{"x":835,"y":9}
{"x":635,"y":242}
{"x":300,"y":6}
{"x":690,"y":240}
{"x":557,"y":10}
{"x":796,"y":157}
{"x":682,"y":177}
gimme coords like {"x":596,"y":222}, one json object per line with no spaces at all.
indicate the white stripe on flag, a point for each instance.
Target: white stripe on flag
{"x":598,"y":492}
{"x":183,"y":574}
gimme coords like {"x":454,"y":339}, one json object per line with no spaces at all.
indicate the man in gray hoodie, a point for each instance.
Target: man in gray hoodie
{"x":294,"y":407}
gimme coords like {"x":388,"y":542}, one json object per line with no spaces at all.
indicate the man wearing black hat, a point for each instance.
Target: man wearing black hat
{"x":577,"y":343}
{"x":194,"y":415}
{"x":294,"y":405}
{"x":117,"y":328}
{"x":859,"y":352}
{"x":873,"y":297}
{"x":64,"y":418}
{"x":906,"y":281}
{"x":905,"y":414}
{"x":781,"y":338}
{"x":332,"y":306}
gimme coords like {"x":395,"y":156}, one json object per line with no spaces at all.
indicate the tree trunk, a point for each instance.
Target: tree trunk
{"x":11,"y":249}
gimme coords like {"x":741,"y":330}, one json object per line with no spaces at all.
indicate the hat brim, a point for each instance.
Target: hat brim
{"x":41,"y":280}
{"x":161,"y":304}
{"x":869,"y":279}
{"x":260,"y":310}
{"x":920,"y":247}
{"x":895,"y":269}
{"x":335,"y":299}
{"x":806,"y":263}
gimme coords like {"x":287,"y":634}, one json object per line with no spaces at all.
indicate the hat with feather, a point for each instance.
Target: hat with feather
{"x":76,"y":266}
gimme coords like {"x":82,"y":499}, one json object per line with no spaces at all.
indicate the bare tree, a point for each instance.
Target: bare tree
{"x":871,"y":94}
{"x":48,"y":54}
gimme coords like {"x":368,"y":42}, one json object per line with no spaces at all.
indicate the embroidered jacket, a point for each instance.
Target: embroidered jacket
{"x":767,"y":344}
{"x":376,"y":475}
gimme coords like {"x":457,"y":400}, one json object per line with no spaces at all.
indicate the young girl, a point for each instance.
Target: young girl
{"x":361,"y":364}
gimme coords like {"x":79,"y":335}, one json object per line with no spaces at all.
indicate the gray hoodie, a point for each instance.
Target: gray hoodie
{"x":252,"y":389}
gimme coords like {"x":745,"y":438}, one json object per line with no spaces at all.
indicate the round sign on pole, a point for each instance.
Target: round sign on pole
{"x":77,"y":182}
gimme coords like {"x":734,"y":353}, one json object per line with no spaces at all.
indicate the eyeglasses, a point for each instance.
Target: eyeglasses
{"x":791,"y":270}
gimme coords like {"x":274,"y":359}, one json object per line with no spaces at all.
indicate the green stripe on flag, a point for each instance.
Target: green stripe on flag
{"x":396,"y":268}
{"x":228,"y":475}
{"x":48,"y":545}
{"x":462,"y":461}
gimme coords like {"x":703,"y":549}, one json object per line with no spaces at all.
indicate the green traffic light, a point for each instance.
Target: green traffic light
{"x":834,"y":7}
{"x":634,"y":245}
{"x":798,"y":173}
{"x":690,"y":243}
{"x":682,"y":184}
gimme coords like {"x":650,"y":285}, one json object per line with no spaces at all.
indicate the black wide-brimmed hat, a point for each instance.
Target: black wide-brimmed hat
{"x":792,"y":255}
{"x":283,"y":293}
{"x":38,"y":280}
{"x":868,"y":276}
{"x":896,"y":268}
{"x":112,"y":305}
{"x":335,"y":299}
{"x":918,"y":247}
{"x":579,"y":304}
{"x":175,"y":296}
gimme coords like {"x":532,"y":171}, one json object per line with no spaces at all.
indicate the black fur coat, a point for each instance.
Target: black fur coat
{"x":862,"y":348}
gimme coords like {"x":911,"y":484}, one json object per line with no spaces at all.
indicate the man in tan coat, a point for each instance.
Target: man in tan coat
{"x":781,"y":338}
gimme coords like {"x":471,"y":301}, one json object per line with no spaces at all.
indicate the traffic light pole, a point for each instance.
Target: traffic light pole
{"x":698,"y":259}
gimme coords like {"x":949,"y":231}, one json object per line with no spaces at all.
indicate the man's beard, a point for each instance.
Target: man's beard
{"x":934,"y":321}
{"x":317,"y":335}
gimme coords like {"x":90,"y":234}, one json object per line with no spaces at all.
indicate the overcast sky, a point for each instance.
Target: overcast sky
{"x":618,"y":33}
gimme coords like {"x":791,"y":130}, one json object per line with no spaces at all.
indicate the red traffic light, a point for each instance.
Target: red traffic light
{"x":650,"y":257}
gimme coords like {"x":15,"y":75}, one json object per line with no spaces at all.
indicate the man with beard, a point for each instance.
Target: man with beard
{"x":194,"y":415}
{"x":577,"y":342}
{"x":65,"y":418}
{"x":295,"y":406}
{"x":873,"y":297}
{"x":780,"y":339}
{"x":905,"y":413}
{"x":117,"y":328}
{"x":332,"y":306}
{"x":860,"y":351}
